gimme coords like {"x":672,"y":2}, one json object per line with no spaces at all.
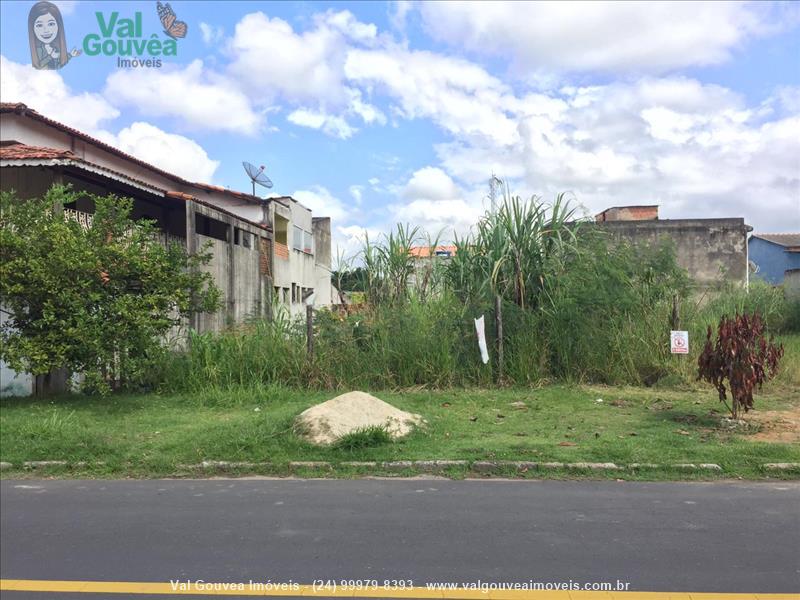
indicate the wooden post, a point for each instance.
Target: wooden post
{"x":310,"y":330}
{"x":498,"y":319}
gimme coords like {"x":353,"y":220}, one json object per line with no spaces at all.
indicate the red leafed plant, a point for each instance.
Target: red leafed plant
{"x":742,"y":356}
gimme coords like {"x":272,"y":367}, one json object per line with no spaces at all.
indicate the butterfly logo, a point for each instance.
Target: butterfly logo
{"x":172,"y":26}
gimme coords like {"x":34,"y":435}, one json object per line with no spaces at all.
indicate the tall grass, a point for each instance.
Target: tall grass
{"x":576,"y":307}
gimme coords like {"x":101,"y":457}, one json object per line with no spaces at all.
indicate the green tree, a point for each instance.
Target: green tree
{"x":96,"y":300}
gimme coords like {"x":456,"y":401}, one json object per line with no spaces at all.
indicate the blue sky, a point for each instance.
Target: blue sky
{"x":375,"y":112}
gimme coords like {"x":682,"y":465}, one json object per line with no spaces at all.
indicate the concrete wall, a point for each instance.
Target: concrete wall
{"x":772,"y":260}
{"x":13,"y":383}
{"x":791,"y":284}
{"x":236,"y":269}
{"x":322,"y":260}
{"x":713,"y":251}
{"x":243,"y":274}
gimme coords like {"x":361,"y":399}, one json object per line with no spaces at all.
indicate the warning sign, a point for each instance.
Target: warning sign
{"x":679,"y":342}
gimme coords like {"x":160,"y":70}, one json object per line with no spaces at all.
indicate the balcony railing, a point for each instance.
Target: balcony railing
{"x":85,"y":220}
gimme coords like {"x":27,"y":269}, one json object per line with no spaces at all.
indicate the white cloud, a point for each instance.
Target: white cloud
{"x":432,"y":199}
{"x":398,"y":13}
{"x":270,"y":59}
{"x":696,"y":149}
{"x":46,"y":92}
{"x":368,"y":113}
{"x":347,"y":24}
{"x":357,"y":192}
{"x":337,"y":125}
{"x":331,"y":124}
{"x":193,"y":95}
{"x":172,"y":153}
{"x":211,"y":34}
{"x":272,"y":62}
{"x":348,"y":241}
{"x":431,"y":183}
{"x":322,"y":203}
{"x":613,"y":36}
{"x":458,"y":95}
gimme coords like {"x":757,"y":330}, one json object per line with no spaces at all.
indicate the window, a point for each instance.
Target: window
{"x":308,"y":242}
{"x":210,"y":227}
{"x":281,"y":227}
{"x":241,"y":238}
{"x":297,"y":238}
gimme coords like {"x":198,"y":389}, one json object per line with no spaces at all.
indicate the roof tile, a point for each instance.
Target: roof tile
{"x":23,"y":151}
{"x":782,"y":239}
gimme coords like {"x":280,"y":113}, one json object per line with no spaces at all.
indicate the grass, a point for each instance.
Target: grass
{"x":152,"y":435}
{"x":365,"y":437}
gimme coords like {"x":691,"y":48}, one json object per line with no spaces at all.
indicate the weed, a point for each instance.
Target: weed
{"x":365,"y":437}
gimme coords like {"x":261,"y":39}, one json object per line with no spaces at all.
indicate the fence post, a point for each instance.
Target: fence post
{"x":498,"y":319}
{"x":310,"y":330}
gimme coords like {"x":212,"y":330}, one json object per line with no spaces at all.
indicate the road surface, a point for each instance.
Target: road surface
{"x":667,"y":537}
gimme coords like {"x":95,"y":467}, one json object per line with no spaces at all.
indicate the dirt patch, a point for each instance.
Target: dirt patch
{"x":781,"y":426}
{"x":327,"y":422}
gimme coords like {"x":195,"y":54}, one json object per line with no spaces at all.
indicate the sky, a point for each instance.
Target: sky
{"x":375,"y":113}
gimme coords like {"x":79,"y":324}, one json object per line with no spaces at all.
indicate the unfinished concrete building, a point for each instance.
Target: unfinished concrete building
{"x":713,"y":251}
{"x":251,"y":268}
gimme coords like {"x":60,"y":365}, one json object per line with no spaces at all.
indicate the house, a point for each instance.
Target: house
{"x":247,"y":265}
{"x":713,"y":251}
{"x":772,"y":255}
{"x":301,"y":256}
{"x":419,"y":252}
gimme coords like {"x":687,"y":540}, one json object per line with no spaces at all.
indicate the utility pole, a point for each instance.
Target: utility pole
{"x":494,"y":183}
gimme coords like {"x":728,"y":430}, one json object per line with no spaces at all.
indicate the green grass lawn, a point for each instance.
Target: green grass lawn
{"x":151,"y":435}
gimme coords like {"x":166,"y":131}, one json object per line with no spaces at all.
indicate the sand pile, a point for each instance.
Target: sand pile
{"x":327,"y":422}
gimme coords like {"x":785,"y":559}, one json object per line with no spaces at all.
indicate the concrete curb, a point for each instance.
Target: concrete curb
{"x":781,"y":466}
{"x":482,"y":467}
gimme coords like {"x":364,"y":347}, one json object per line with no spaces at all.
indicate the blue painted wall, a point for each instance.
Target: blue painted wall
{"x":772,"y":260}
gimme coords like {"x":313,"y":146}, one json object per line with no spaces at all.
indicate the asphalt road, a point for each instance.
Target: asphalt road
{"x":702,"y":537}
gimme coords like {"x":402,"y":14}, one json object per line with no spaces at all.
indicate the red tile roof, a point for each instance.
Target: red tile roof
{"x":22,"y":109}
{"x":425,"y":251}
{"x":23,"y":152}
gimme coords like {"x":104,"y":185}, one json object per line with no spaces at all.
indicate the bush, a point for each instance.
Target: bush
{"x":94,"y":300}
{"x":742,"y":357}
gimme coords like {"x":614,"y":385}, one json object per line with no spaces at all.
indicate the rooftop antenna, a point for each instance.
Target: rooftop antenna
{"x":257,"y":176}
{"x":495,"y":184}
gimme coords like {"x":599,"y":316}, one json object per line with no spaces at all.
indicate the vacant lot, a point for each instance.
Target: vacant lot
{"x":151,"y":435}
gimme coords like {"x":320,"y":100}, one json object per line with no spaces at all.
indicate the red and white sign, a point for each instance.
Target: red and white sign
{"x":679,"y":342}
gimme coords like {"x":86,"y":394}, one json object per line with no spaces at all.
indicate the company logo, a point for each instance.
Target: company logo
{"x":172,"y":27}
{"x":124,"y":38}
{"x":47,"y":39}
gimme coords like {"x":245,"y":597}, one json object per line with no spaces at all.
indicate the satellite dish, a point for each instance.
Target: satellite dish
{"x":257,"y":176}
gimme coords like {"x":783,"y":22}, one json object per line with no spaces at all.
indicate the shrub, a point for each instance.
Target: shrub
{"x":741,"y":356}
{"x":94,"y":300}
